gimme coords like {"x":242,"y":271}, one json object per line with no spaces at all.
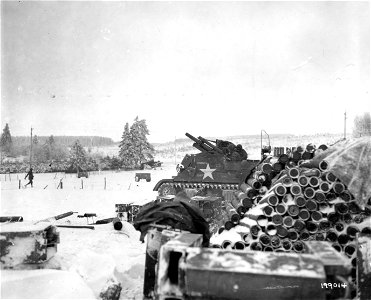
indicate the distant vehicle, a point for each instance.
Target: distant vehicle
{"x":82,"y":174}
{"x":151,"y":164}
{"x":146,"y":176}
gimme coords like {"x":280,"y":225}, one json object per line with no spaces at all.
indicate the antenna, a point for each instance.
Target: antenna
{"x":345,"y":125}
{"x":31,"y":149}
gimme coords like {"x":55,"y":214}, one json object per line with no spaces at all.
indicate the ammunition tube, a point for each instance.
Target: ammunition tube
{"x":319,"y":236}
{"x":323,"y":165}
{"x":256,"y":246}
{"x":311,"y":205}
{"x":338,"y":188}
{"x":298,"y":246}
{"x":299,"y":225}
{"x":300,"y":200}
{"x":304,"y":215}
{"x":281,"y":209}
{"x":341,"y":208}
{"x":330,"y":177}
{"x":288,"y":221}
{"x":254,"y":183}
{"x":325,"y":187}
{"x":268,"y":211}
{"x":337,"y":247}
{"x":331,"y":236}
{"x":275,"y":241}
{"x":316,"y":216}
{"x":324,"y":225}
{"x":277,"y":219}
{"x":309,"y":193}
{"x":271,"y":229}
{"x":295,"y":189}
{"x":286,"y":244}
{"x":352,"y":231}
{"x":254,"y":230}
{"x":304,"y":235}
{"x":227,"y":244}
{"x":339,"y":227}
{"x":314,"y":181}
{"x":273,"y":200}
{"x":303,"y":180}
{"x":281,"y":231}
{"x":239,"y":245}
{"x":320,"y":196}
{"x":280,"y":190}
{"x":265,"y":239}
{"x":346,"y":196}
{"x":293,"y":210}
{"x":349,"y":250}
{"x":311,"y":227}
{"x":292,"y":234}
{"x":343,"y":238}
{"x":294,"y":173}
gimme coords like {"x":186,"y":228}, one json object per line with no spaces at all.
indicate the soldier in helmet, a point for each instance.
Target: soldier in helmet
{"x":30,"y":177}
{"x":241,"y":152}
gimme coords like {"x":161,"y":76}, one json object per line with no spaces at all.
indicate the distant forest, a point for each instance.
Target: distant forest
{"x":67,"y":141}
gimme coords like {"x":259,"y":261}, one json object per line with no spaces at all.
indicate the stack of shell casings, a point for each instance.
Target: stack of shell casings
{"x":283,"y":204}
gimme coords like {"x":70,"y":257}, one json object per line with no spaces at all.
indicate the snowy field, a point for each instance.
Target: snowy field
{"x":99,"y":257}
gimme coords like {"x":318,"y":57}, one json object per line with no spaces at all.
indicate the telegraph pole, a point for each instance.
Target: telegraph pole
{"x":175,"y":148}
{"x":31,"y":150}
{"x":345,"y":125}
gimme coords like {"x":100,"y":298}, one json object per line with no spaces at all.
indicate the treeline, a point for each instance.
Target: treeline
{"x":67,"y":141}
{"x":70,"y":154}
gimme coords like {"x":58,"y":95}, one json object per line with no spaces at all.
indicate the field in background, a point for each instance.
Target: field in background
{"x":173,"y":152}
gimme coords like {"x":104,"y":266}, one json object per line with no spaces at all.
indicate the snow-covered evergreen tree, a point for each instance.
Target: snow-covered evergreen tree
{"x":6,"y":140}
{"x":78,"y":157}
{"x":127,"y":150}
{"x":143,"y":149}
{"x":134,"y":147}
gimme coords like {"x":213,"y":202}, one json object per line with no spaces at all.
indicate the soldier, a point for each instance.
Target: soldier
{"x":30,"y":177}
{"x":241,"y":151}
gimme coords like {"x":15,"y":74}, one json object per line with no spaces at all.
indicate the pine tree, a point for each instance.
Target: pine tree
{"x":362,"y":125}
{"x":134,"y":147}
{"x":6,"y":140}
{"x":127,"y":150}
{"x":35,"y":140}
{"x":143,"y":149}
{"x":78,"y":157}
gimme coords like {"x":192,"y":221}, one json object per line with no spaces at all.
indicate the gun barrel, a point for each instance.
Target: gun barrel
{"x":192,"y":138}
{"x":200,"y":145}
{"x":205,"y":141}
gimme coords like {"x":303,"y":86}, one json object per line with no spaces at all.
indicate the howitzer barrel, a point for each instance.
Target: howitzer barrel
{"x":205,"y":141}
{"x":200,"y":145}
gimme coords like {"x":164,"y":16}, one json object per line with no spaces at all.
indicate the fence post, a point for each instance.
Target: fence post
{"x":82,"y":184}
{"x":10,"y":178}
{"x":19,"y":184}
{"x":105,"y":183}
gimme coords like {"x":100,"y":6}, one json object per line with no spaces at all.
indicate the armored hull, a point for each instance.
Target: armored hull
{"x":211,"y":179}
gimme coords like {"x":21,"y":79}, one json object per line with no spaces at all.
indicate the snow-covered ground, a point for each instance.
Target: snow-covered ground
{"x":99,"y":257}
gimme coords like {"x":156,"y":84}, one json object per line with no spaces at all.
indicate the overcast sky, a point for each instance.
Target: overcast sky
{"x":207,"y":68}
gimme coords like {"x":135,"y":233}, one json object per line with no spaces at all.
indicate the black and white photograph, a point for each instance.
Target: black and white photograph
{"x":185,"y":150}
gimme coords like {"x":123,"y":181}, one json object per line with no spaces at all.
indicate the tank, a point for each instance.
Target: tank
{"x":210,"y":178}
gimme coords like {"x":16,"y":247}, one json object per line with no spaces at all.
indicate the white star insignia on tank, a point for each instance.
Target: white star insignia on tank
{"x":208,"y":172}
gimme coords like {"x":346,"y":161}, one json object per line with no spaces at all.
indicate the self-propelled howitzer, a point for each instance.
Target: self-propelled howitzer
{"x":211,"y":176}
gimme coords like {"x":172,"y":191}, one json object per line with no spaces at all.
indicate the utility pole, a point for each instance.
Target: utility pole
{"x":31,"y":150}
{"x":175,"y":148}
{"x":345,"y":125}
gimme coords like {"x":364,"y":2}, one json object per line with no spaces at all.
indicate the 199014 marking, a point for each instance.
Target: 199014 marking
{"x":333,"y":285}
